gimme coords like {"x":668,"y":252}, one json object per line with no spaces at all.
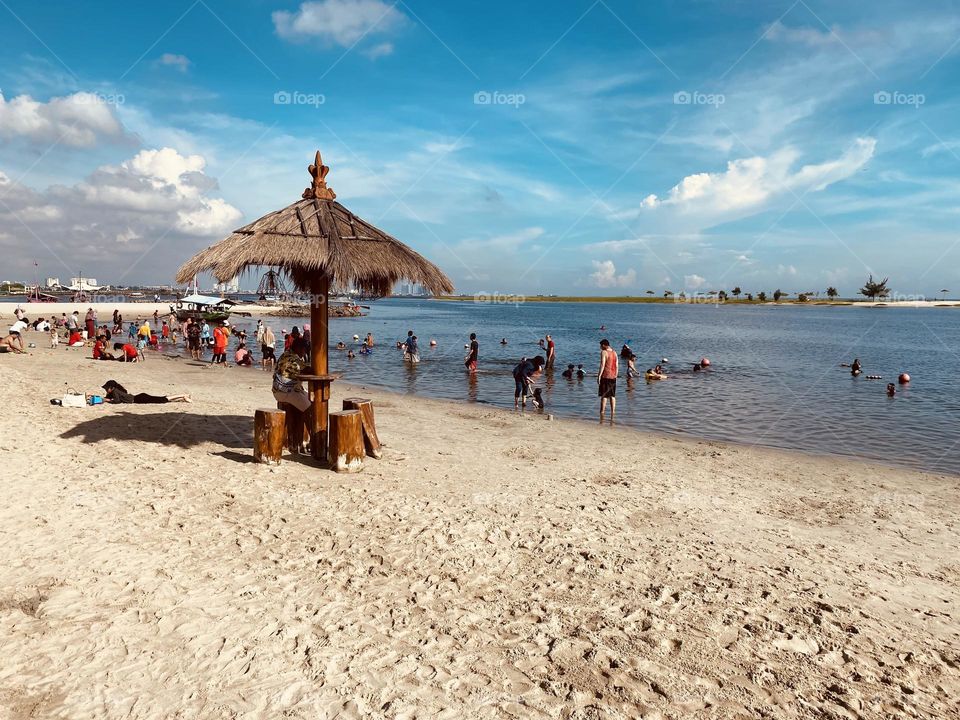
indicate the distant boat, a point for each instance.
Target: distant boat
{"x":205,"y":307}
{"x":35,"y":296}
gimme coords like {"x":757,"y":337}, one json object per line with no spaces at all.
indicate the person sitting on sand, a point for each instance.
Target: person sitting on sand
{"x":242,"y":356}
{"x":131,"y":353}
{"x":117,"y":393}
{"x":19,"y":326}
{"x":12,"y":343}
{"x":287,"y":386}
{"x":568,"y":373}
{"x":75,"y":339}
{"x":523,"y":375}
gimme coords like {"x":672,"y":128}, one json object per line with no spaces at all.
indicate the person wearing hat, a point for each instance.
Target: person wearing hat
{"x":117,"y":393}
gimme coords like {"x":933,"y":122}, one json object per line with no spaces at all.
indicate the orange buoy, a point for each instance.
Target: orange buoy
{"x":903,"y":379}
{"x":704,"y":362}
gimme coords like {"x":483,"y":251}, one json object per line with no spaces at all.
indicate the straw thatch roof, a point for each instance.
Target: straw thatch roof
{"x":318,"y":235}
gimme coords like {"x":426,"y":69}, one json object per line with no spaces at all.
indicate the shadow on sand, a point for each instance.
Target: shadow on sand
{"x":178,"y":429}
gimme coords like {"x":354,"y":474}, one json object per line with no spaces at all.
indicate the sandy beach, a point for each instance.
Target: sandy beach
{"x":491,"y":565}
{"x":130,"y":310}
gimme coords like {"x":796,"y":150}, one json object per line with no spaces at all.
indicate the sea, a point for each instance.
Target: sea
{"x":776,"y":377}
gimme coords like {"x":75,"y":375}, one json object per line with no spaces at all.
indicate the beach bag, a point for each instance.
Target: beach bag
{"x":73,"y":399}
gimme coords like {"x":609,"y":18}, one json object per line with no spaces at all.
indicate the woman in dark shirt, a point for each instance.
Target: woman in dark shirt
{"x":117,"y":393}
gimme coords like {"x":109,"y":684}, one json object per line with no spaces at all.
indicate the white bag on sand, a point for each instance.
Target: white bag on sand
{"x":74,"y":400}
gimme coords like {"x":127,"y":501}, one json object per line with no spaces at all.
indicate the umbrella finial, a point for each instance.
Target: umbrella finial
{"x":319,"y":190}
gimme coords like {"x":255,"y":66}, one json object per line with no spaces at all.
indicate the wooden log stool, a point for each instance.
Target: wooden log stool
{"x":269,"y":435}
{"x":345,"y":438}
{"x":371,"y":442}
{"x":296,"y":429}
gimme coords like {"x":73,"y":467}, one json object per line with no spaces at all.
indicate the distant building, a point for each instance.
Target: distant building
{"x":52,"y":282}
{"x":86,"y":281}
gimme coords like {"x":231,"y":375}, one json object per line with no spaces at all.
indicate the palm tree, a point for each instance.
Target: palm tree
{"x":649,"y":292}
{"x":777,"y":295}
{"x":762,"y":296}
{"x":832,"y":292}
{"x":873,"y":289}
{"x":667,"y":293}
{"x":944,"y":291}
{"x":736,"y":292}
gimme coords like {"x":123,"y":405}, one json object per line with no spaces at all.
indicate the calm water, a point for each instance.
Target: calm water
{"x":775,"y":378}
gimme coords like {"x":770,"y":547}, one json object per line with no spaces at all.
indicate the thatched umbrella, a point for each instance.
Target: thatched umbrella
{"x":317,"y":241}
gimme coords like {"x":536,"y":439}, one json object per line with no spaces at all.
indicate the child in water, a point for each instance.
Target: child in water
{"x":568,"y":373}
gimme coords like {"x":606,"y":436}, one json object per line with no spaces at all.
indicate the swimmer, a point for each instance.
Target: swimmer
{"x":350,"y":355}
{"x":696,"y":367}
{"x":891,"y":389}
{"x":855,"y":369}
{"x":503,"y":341}
{"x":632,"y":367}
{"x":581,"y":373}
{"x":341,"y":345}
{"x":568,"y":373}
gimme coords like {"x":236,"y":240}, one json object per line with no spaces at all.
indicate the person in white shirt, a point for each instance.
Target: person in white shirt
{"x":19,"y":313}
{"x":14,"y":340}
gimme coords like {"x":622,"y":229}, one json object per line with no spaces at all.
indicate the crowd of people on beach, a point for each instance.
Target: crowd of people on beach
{"x":109,"y":341}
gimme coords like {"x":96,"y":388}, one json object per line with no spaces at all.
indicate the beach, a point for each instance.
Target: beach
{"x":491,"y":565}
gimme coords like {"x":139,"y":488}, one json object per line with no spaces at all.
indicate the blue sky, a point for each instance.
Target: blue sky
{"x":584,"y":147}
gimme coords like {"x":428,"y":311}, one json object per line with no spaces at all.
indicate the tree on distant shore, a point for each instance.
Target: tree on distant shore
{"x":749,"y":297}
{"x":777,"y":295}
{"x":802,"y":297}
{"x":649,"y":292}
{"x":762,"y":296}
{"x":667,"y":293}
{"x":875,"y":289}
{"x":832,"y":292}
{"x":736,"y":292}
{"x":722,"y":295}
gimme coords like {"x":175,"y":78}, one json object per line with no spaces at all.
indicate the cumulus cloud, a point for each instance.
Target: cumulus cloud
{"x":179,"y":62}
{"x":604,"y":275}
{"x":694,"y":282}
{"x":749,"y":182}
{"x":119,"y":213}
{"x":340,"y":22}
{"x":77,"y":120}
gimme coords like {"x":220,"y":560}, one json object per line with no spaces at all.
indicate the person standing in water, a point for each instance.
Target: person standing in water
{"x":551,"y":352}
{"x":474,"y":356}
{"x":607,"y":378}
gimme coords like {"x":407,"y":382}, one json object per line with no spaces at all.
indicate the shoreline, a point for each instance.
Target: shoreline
{"x":508,"y":299}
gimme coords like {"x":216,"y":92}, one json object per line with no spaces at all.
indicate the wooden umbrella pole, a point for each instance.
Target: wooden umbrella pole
{"x":319,"y":317}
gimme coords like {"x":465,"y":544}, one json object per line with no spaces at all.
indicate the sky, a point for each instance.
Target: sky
{"x":584,"y":147}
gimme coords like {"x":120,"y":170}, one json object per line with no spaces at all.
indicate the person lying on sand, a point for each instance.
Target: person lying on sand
{"x":117,"y":393}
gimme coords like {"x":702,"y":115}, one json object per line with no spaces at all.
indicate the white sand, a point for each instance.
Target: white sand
{"x":489,"y":566}
{"x":130,"y":310}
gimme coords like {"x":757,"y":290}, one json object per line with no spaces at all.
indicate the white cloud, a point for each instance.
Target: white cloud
{"x":786,"y":270}
{"x":339,"y":22}
{"x":78,"y":120}
{"x":157,"y":201}
{"x":750,"y":182}
{"x":694,"y":282}
{"x":179,"y":62}
{"x":379,"y":51}
{"x":605,"y":275}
